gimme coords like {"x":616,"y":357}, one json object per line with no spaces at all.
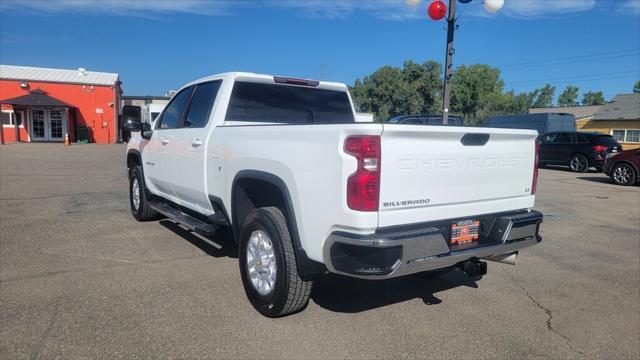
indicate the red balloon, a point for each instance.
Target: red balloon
{"x":437,"y":10}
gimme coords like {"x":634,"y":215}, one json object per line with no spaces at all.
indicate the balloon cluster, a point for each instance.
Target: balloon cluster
{"x":438,"y":10}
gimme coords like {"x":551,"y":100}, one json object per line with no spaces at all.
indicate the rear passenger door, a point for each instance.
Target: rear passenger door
{"x":190,"y":148}
{"x":564,"y":146}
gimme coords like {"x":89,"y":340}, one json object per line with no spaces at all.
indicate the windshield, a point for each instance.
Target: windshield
{"x":605,"y":140}
{"x":285,"y":104}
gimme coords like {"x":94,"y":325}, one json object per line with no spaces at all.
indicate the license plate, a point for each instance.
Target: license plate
{"x":464,"y":232}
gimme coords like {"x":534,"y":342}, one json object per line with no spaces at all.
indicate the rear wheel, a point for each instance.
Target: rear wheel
{"x":623,"y":174}
{"x":578,"y":163}
{"x":138,"y":196}
{"x":268,"y":265}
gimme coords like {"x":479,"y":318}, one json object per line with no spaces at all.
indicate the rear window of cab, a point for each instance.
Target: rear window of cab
{"x":286,"y":104}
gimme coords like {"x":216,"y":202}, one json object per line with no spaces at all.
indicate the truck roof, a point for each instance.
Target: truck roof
{"x":265,"y":78}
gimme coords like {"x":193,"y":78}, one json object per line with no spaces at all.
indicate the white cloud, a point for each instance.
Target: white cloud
{"x":630,"y":7}
{"x":385,"y":9}
{"x":527,"y":8}
{"x":121,"y":7}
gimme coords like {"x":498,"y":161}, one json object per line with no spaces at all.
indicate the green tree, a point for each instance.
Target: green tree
{"x":569,"y":96}
{"x":426,"y":80}
{"x":476,"y":92}
{"x":636,"y":87}
{"x":593,"y":98}
{"x":545,"y":97}
{"x":390,"y":91}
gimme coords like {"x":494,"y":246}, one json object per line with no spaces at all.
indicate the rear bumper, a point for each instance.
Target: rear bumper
{"x":422,"y":247}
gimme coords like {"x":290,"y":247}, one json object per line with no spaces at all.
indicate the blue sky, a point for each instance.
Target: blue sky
{"x":157,"y":45}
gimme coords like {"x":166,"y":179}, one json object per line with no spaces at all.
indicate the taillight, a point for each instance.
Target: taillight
{"x":294,"y":81}
{"x":534,"y":183}
{"x":363,"y":186}
{"x":600,"y":148}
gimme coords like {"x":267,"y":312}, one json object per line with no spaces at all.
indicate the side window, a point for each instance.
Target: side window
{"x":564,"y":138}
{"x":581,"y":138}
{"x":201,"y":104}
{"x":171,"y":117}
{"x":549,"y":138}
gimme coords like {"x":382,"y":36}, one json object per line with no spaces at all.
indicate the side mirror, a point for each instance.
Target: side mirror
{"x":146,"y":131}
{"x":131,"y":114}
{"x":132,"y":126}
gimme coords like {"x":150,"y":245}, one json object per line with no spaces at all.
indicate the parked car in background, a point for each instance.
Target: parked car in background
{"x":623,"y":167}
{"x":543,"y":123}
{"x":150,"y":112}
{"x":577,"y":150}
{"x":454,"y":120}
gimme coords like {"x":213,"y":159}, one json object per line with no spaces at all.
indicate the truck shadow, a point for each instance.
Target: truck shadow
{"x":350,"y":295}
{"x":599,"y":179}
{"x":341,"y":293}
{"x":220,"y":245}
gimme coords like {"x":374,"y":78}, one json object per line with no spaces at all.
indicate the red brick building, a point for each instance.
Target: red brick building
{"x":39,"y":104}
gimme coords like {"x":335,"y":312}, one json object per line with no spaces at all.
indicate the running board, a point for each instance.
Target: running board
{"x":187,"y":220}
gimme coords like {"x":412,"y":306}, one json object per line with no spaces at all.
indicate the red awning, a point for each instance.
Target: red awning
{"x":35,"y":97}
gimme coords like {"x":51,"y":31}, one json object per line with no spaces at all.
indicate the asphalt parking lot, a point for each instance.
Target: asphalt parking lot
{"x":80,"y":278}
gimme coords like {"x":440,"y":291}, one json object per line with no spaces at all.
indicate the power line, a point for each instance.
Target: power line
{"x":567,"y":83}
{"x":571,"y":62}
{"x":575,"y":57}
{"x":577,"y":77}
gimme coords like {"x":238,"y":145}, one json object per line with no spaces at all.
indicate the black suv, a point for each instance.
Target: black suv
{"x":578,"y":150}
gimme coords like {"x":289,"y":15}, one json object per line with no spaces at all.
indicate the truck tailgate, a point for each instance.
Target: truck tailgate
{"x":439,"y":172}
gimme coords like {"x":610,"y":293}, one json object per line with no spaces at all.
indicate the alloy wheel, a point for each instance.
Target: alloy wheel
{"x":135,"y":194}
{"x":261,"y":262}
{"x":622,"y":174}
{"x":578,"y":163}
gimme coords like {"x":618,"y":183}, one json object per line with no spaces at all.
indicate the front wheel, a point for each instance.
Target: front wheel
{"x":268,"y":265}
{"x":578,"y":163}
{"x":623,"y":174}
{"x":138,"y":196}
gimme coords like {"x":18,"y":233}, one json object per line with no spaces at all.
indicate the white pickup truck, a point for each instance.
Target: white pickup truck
{"x":307,"y":190}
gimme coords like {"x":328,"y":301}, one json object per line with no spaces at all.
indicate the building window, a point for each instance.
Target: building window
{"x":10,"y":118}
{"x":618,"y":135}
{"x":626,"y":135}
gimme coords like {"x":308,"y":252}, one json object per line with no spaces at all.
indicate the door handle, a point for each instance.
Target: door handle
{"x":196,"y":142}
{"x":164,"y":141}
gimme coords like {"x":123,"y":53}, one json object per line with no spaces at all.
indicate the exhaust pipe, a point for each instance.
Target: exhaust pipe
{"x":508,"y":258}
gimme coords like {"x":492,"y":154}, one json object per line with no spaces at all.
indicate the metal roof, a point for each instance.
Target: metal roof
{"x":35,"y":97}
{"x":79,"y":76}
{"x":579,"y":112}
{"x":622,"y":107}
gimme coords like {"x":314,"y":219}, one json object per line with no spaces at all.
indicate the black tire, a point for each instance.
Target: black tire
{"x":623,"y":174}
{"x":290,"y":293}
{"x":143,"y":212}
{"x":578,"y":163}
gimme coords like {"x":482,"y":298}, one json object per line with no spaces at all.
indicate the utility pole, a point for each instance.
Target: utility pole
{"x":451,"y":28}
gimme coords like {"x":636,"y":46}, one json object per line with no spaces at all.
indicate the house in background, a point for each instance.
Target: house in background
{"x":41,"y":104}
{"x":620,"y":118}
